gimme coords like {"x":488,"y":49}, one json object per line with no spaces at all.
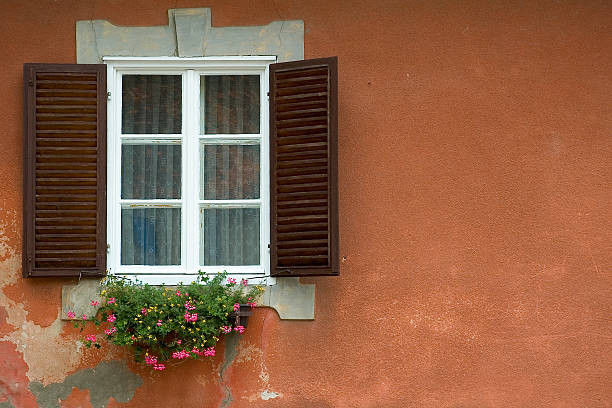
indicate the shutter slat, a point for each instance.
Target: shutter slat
{"x":303,"y":243}
{"x":64,"y":170}
{"x":303,"y":168}
{"x":65,"y":238}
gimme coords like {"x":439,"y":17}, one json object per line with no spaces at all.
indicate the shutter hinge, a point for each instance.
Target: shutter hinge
{"x":31,"y":82}
{"x":108,"y":95}
{"x":108,"y":248}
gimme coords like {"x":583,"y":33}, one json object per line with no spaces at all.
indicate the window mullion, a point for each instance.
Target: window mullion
{"x":191,"y":172}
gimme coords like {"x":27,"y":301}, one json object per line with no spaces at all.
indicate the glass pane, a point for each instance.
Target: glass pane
{"x":150,"y":236}
{"x":229,"y":236}
{"x":229,"y":172}
{"x":150,"y":171}
{"x":230,"y":104}
{"x":151,"y":104}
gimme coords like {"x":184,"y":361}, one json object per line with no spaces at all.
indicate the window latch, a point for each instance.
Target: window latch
{"x":108,"y":95}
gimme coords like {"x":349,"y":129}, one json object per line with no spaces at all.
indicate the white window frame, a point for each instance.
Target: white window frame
{"x":190,"y":69}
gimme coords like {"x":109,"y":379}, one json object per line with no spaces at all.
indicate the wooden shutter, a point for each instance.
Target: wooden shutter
{"x":64,"y":209}
{"x":303,"y":168}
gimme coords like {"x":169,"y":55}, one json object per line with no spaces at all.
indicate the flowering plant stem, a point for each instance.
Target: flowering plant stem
{"x":161,"y":324}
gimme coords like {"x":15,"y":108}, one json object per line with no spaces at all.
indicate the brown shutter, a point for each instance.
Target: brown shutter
{"x":303,"y":168}
{"x":64,"y":208}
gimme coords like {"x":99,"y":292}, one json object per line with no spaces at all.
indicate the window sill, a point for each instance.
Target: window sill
{"x":291,"y":299}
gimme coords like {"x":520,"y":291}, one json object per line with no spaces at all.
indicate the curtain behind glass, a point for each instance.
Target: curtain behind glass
{"x":229,"y":172}
{"x":151,"y":104}
{"x":231,"y":104}
{"x":229,"y":236}
{"x":151,"y":236}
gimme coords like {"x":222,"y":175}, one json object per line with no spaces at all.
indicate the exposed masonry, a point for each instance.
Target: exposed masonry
{"x":107,"y":379}
{"x":189,"y":33}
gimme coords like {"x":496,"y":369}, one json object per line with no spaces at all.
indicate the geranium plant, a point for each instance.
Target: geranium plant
{"x":162,"y":324}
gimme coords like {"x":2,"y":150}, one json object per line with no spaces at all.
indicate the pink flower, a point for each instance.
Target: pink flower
{"x":239,"y":329}
{"x":150,"y":360}
{"x":209,"y":351}
{"x":231,"y":281}
{"x":143,"y":311}
{"x":236,"y":307}
{"x":94,"y":303}
{"x":133,"y":337}
{"x":91,"y":337}
{"x":195,"y":351}
{"x":111,"y":318}
{"x":178,"y":293}
{"x":188,"y":306}
{"x":191,"y":317}
{"x":159,"y":367}
{"x":84,"y":317}
{"x":244,"y":282}
{"x":179,"y":355}
{"x":71,"y":314}
{"x":110,"y":301}
{"x":226,"y":329}
{"x":110,"y":331}
{"x":159,"y":323}
{"x":179,"y":342}
{"x":252,"y":304}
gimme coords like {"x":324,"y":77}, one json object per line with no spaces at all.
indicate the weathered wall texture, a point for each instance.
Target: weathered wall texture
{"x":475,"y":179}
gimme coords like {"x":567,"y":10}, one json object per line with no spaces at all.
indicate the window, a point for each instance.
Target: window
{"x":204,"y":170}
{"x":188,"y":170}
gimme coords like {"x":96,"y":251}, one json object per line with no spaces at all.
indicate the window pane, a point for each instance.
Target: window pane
{"x":150,"y":171}
{"x":229,"y":172}
{"x":151,"y":104}
{"x":230,"y":104}
{"x":151,"y":236}
{"x":229,"y":236}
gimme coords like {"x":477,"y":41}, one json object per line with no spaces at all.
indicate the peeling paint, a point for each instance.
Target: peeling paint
{"x":266,"y":395}
{"x":48,"y":356}
{"x":250,"y":353}
{"x":106,"y":380}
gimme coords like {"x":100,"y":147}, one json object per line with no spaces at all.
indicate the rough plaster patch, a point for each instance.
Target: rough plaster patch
{"x":106,"y":380}
{"x":189,"y":33}
{"x":444,"y":313}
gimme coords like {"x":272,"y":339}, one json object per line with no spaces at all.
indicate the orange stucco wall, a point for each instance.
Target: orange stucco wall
{"x":475,"y":185}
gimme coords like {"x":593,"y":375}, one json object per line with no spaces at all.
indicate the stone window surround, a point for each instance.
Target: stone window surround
{"x":189,"y":33}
